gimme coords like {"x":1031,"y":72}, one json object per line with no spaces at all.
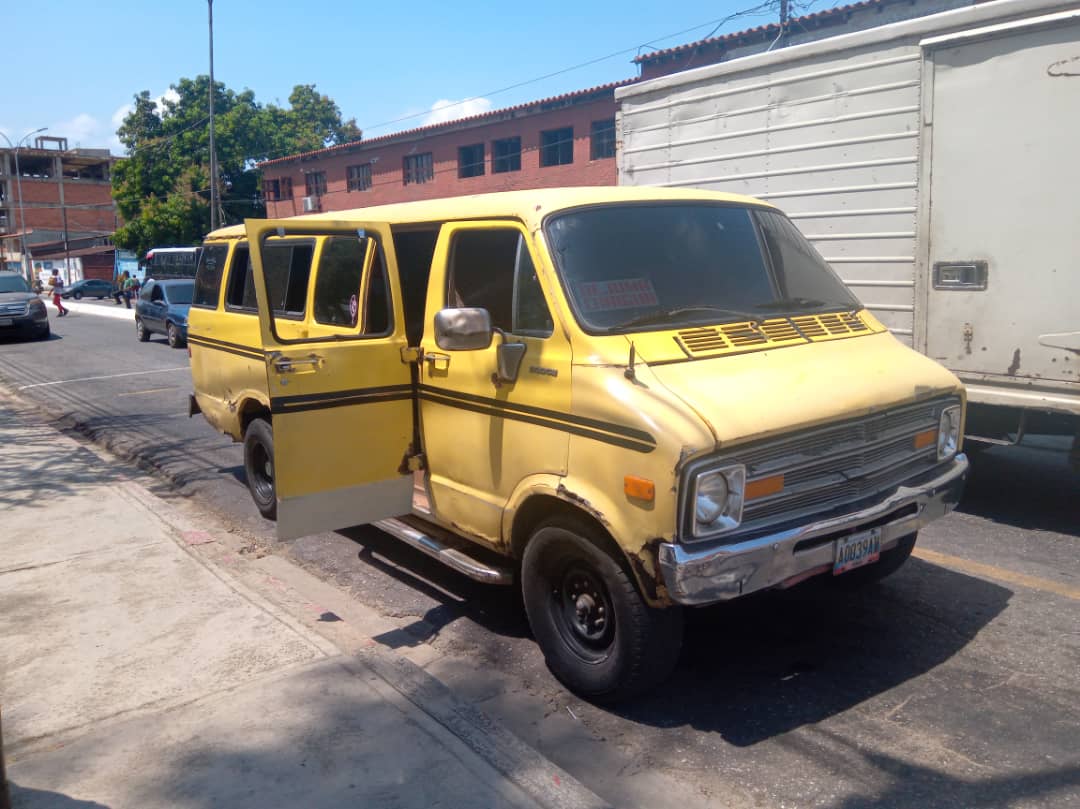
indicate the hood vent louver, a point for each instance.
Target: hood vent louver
{"x":731,"y":338}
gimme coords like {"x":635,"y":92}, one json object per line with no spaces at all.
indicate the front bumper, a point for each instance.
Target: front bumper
{"x":703,"y":574}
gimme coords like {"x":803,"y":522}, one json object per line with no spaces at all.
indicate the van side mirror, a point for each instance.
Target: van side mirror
{"x":463,"y":329}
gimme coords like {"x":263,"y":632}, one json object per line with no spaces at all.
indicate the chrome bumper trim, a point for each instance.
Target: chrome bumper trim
{"x":703,"y":574}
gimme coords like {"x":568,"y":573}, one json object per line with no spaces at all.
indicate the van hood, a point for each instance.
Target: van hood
{"x":765,"y":393}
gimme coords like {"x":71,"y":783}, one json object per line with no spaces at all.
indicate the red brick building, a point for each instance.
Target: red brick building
{"x":565,"y":140}
{"x":66,"y":199}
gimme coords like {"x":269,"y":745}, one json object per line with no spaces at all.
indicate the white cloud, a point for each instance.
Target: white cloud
{"x":168,"y":95}
{"x":445,"y":110}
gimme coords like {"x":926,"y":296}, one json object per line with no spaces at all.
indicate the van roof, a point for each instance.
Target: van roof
{"x":530,"y":205}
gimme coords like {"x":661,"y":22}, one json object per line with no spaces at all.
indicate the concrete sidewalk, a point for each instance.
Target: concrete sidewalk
{"x":139,"y":670}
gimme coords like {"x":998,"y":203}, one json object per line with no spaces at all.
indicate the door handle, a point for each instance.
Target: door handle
{"x":436,"y":358}
{"x":291,"y":365}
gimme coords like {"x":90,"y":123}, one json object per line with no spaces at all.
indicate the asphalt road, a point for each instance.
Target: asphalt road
{"x":954,"y":683}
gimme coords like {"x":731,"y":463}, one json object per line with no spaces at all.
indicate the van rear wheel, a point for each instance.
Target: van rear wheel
{"x":259,"y":466}
{"x":598,"y":636}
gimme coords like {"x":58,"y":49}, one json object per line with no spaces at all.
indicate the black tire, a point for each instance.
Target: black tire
{"x":572,"y":590}
{"x":44,"y":334}
{"x":890,"y":562}
{"x":173,"y":336}
{"x":259,"y":466}
{"x":141,"y":331}
{"x":77,"y":296}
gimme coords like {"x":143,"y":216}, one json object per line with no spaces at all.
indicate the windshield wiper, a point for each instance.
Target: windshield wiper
{"x":798,"y":302}
{"x":668,"y":314}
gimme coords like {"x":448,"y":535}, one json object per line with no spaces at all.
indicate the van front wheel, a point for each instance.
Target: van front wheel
{"x":598,"y":635}
{"x":259,"y":466}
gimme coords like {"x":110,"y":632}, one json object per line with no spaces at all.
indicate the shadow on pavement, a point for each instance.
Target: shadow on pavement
{"x":914,"y":785}
{"x":53,"y":476}
{"x":765,"y":665}
{"x":26,"y":798}
{"x":1030,"y":486}
{"x":758,"y":667}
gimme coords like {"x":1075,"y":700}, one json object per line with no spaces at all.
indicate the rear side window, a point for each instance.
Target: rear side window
{"x":288,"y":269}
{"x":208,"y":276}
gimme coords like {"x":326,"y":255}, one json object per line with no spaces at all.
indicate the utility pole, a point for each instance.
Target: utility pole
{"x":783,"y":20}
{"x":214,"y":202}
{"x":18,"y":183}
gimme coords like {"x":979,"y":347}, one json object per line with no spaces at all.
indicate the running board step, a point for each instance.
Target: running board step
{"x":452,"y":557}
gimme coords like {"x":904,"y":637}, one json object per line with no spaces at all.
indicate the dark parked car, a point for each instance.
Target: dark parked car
{"x":89,"y":288}
{"x":163,"y":307}
{"x":22,"y":312}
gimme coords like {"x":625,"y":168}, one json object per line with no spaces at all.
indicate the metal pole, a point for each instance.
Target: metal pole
{"x":213,"y":153}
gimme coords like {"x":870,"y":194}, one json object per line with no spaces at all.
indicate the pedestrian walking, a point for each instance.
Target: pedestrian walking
{"x":56,"y":285}
{"x":130,"y":285}
{"x":120,"y":287}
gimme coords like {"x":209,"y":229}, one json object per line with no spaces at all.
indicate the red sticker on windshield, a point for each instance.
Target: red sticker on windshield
{"x":607,"y":296}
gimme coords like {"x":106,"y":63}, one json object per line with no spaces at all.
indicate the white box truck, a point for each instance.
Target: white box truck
{"x":934,"y":162}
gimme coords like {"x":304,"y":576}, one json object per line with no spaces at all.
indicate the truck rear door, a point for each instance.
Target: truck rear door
{"x":341,"y":396}
{"x":1004,"y":245}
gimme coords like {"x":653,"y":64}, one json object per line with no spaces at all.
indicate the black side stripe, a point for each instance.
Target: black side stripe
{"x":228,"y":348}
{"x":582,"y":421}
{"x":564,"y":426}
{"x":340,"y":398}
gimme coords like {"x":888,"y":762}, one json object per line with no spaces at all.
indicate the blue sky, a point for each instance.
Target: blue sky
{"x":75,"y":66}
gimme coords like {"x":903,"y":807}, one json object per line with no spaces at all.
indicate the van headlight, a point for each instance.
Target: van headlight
{"x":718,"y":499}
{"x":948,"y":436}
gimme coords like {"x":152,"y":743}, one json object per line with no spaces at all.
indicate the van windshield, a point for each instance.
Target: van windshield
{"x":647,"y":267}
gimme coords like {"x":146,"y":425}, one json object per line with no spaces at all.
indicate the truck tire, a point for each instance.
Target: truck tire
{"x":141,"y":331}
{"x":890,"y":562}
{"x":598,"y":636}
{"x":259,"y":466}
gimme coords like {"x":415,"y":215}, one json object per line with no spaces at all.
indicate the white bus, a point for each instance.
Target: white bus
{"x":171,"y":262}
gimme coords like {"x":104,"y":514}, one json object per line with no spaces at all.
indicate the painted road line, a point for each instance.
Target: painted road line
{"x":102,"y":310}
{"x":150,"y":390}
{"x":997,"y":573}
{"x":110,"y":376}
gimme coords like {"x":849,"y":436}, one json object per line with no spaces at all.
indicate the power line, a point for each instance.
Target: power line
{"x":635,"y":49}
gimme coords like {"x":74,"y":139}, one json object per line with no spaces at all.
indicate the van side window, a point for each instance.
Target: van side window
{"x":337,"y":284}
{"x":208,"y":275}
{"x":531,"y":314}
{"x":240,"y":294}
{"x":288,"y":269}
{"x":492,"y":269}
{"x":377,"y":301}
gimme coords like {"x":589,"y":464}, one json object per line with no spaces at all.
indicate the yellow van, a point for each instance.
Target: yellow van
{"x":631,"y":399}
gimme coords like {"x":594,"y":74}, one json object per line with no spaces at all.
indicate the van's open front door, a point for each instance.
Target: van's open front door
{"x":341,"y":397}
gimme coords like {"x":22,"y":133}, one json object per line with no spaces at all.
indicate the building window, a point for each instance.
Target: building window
{"x":285,"y":188}
{"x":359,"y":177}
{"x":602,"y":139}
{"x":418,"y":168}
{"x":557,"y":147}
{"x":471,"y":160}
{"x":505,"y":155}
{"x":272,"y":190}
{"x":316,"y":183}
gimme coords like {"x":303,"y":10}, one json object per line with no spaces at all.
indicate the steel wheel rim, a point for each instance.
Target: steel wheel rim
{"x":582,"y":611}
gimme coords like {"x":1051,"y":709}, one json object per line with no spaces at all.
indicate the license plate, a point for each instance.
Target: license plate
{"x":857,"y":550}
{"x":6,"y":321}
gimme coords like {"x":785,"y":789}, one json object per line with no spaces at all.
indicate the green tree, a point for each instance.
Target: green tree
{"x":162,"y":188}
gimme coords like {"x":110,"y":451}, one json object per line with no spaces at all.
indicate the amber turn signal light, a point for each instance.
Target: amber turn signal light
{"x":925,"y":439}
{"x":763,"y":487}
{"x":640,"y":488}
